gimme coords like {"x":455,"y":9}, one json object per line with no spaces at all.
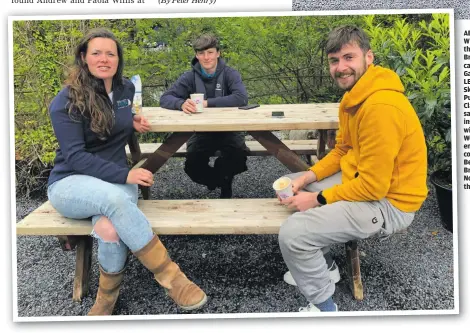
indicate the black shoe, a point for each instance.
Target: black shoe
{"x":226,"y":192}
{"x":211,"y":187}
{"x":226,"y":188}
{"x":211,"y":184}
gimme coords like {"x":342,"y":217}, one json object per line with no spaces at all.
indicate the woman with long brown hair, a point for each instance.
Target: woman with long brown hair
{"x":92,"y":120}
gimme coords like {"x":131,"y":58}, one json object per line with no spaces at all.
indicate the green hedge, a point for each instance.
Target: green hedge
{"x":281,"y":60}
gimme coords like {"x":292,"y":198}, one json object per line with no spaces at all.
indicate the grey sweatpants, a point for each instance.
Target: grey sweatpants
{"x":304,"y":234}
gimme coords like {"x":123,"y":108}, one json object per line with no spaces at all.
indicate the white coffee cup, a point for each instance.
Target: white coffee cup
{"x":283,"y":187}
{"x":198,"y":99}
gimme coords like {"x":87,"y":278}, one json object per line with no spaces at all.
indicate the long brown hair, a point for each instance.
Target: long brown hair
{"x":87,"y":94}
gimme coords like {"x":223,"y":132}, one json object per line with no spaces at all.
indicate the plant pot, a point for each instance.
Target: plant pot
{"x":444,"y":197}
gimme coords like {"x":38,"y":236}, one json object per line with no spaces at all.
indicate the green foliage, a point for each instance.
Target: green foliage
{"x":34,"y":153}
{"x":36,"y":143}
{"x":420,"y":54}
{"x":281,"y":60}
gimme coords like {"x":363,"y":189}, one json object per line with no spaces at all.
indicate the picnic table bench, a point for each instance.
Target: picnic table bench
{"x":300,"y":147}
{"x":208,"y":216}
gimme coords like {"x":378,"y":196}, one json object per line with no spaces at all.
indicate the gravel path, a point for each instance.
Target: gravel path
{"x":242,"y":274}
{"x":461,"y":7}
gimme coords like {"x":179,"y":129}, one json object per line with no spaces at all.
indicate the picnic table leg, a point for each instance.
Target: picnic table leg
{"x":322,"y":137}
{"x":136,"y":156}
{"x":68,"y":243}
{"x":354,"y":269}
{"x":331,"y":138}
{"x":159,"y":157}
{"x":145,"y":190}
{"x":309,"y":159}
{"x":82,"y":267}
{"x":277,"y":148}
{"x":166,"y":150}
{"x":134,"y":149}
{"x":326,"y":138}
{"x":314,"y":160}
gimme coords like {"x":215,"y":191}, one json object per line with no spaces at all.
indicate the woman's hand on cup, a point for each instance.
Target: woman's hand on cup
{"x":140,"y":176}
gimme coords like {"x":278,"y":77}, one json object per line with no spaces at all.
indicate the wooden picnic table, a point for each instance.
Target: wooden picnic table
{"x":220,"y":216}
{"x":258,"y":122}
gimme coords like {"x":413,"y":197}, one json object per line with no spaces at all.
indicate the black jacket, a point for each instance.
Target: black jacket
{"x":81,"y":151}
{"x":225,"y":89}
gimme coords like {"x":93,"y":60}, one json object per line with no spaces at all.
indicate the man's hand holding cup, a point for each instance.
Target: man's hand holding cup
{"x":189,"y":106}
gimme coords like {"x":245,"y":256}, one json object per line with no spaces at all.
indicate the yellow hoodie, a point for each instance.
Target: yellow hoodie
{"x":380,"y":146}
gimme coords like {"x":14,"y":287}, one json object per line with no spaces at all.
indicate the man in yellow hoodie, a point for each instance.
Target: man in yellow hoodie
{"x":371,"y":183}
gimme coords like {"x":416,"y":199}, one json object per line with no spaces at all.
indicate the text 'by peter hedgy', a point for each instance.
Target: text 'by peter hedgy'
{"x":466,"y":107}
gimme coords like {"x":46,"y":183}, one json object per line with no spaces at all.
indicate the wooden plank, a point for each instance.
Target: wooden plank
{"x":275,"y":146}
{"x":68,"y":243}
{"x":331,"y":139}
{"x":314,"y":160}
{"x":354,"y":269}
{"x":165,"y":151}
{"x":139,"y":164}
{"x":175,"y":217}
{"x":322,"y":135}
{"x":133,"y":149}
{"x":301,"y":147}
{"x":144,"y":189}
{"x":296,"y":116}
{"x":82,"y":267}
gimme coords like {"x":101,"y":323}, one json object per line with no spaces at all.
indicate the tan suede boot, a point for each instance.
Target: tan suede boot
{"x":108,"y":292}
{"x":185,"y":293}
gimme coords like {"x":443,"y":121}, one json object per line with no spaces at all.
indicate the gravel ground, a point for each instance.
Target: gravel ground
{"x":243,"y":274}
{"x":461,"y":8}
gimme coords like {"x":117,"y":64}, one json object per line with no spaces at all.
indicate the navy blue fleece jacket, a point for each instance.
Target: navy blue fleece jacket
{"x":81,"y":151}
{"x":234,"y":91}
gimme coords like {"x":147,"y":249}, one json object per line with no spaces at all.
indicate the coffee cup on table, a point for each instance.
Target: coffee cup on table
{"x":199,"y":100}
{"x":283,"y":187}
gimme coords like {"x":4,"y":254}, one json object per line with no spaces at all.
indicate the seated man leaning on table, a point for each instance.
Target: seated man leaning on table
{"x":371,"y":183}
{"x":222,"y":87}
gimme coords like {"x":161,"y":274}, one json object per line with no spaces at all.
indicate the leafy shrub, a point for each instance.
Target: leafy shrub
{"x":281,"y":60}
{"x":34,"y":156}
{"x":420,"y":54}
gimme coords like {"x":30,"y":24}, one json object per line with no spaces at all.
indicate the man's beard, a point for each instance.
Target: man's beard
{"x":349,"y":86}
{"x":354,"y":74}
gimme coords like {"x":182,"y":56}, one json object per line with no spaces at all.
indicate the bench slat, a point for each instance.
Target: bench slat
{"x":175,"y":217}
{"x":301,"y":147}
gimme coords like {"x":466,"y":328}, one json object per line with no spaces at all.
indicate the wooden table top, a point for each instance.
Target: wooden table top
{"x":296,"y":116}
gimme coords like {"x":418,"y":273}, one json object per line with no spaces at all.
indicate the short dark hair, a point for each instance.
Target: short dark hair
{"x":347,"y":34}
{"x":206,"y":41}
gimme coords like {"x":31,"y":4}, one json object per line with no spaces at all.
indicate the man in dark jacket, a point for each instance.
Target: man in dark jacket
{"x":222,"y":87}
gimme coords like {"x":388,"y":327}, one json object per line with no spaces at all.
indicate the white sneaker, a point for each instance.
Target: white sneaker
{"x":309,"y":308}
{"x":334,"y":275}
{"x":312,"y":308}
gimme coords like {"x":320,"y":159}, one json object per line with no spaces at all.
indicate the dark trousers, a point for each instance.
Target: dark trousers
{"x":232,"y":159}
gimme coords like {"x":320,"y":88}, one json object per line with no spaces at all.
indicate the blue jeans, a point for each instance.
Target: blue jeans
{"x":81,"y":197}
